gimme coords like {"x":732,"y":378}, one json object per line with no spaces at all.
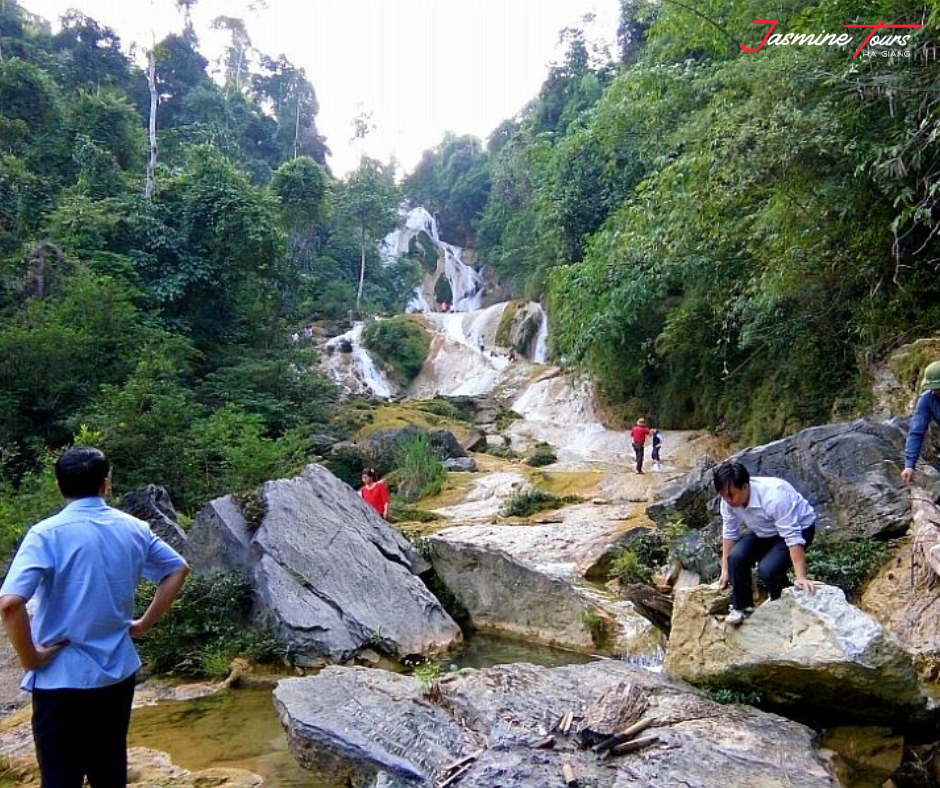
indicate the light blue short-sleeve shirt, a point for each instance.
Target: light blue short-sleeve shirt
{"x":83,"y":566}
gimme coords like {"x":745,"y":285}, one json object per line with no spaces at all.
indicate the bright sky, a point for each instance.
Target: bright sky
{"x":420,"y":67}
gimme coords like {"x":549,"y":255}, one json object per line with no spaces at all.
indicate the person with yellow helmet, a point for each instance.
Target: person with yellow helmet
{"x":926,"y":409}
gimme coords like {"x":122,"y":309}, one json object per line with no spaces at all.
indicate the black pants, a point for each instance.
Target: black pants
{"x":638,"y":451}
{"x":83,"y":732}
{"x":772,"y":557}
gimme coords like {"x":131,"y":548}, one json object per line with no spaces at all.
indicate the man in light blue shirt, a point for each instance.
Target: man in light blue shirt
{"x":82,"y":566}
{"x":780,"y":526}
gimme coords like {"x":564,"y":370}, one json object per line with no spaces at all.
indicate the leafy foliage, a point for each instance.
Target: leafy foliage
{"x":847,"y":564}
{"x":529,"y":502}
{"x":206,"y":627}
{"x":418,"y":470}
{"x":400,"y":344}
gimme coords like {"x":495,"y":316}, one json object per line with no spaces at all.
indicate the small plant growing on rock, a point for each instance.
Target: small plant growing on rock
{"x":252,"y":507}
{"x":726,"y":695}
{"x":598,"y":627}
{"x":529,"y":502}
{"x":542,"y":454}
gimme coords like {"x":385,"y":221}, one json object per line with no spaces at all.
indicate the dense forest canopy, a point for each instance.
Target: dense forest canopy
{"x":158,"y":326}
{"x":724,"y":239}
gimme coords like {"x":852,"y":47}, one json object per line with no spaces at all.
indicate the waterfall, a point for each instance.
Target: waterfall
{"x":466,"y":284}
{"x":350,"y":365}
{"x":540,"y":354}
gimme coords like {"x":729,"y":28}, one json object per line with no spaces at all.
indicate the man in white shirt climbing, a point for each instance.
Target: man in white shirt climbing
{"x":780,"y":527}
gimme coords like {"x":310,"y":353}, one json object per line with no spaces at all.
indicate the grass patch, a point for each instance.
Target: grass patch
{"x":541,"y":454}
{"x":530,"y":502}
{"x":418,"y":471}
{"x":400,"y":512}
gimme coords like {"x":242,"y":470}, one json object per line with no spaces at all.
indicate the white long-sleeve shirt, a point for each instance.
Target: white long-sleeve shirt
{"x":774,"y":508}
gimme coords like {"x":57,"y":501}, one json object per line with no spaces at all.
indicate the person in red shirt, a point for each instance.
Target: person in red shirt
{"x":639,"y":434}
{"x":374,"y":491}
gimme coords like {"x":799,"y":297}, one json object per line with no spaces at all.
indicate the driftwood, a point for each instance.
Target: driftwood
{"x":653,"y":605}
{"x":633,"y":746}
{"x":547,"y":743}
{"x":624,"y":735}
{"x":458,"y":769}
{"x":564,"y":724}
{"x":568,"y":772}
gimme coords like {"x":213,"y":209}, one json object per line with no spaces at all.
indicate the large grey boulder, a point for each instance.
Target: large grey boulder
{"x":152,"y":504}
{"x":849,"y":472}
{"x":815,"y":654}
{"x":502,"y":594}
{"x":369,"y":728}
{"x":328,"y":572}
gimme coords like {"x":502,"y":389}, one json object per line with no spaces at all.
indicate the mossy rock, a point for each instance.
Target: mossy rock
{"x":400,"y":345}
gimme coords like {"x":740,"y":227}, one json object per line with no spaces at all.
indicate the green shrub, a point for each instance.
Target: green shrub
{"x":206,"y":627}
{"x":400,"y":345}
{"x":418,"y":471}
{"x":529,"y":502}
{"x":848,"y":565}
{"x":34,"y":498}
{"x":503,"y":452}
{"x":542,"y":454}
{"x":627,"y":568}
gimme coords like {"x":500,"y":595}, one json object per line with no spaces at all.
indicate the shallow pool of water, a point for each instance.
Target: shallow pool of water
{"x":240,"y":728}
{"x":237,"y":729}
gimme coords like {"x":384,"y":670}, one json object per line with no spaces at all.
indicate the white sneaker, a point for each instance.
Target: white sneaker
{"x":735,"y":617}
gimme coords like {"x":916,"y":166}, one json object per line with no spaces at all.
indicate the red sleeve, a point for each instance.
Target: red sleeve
{"x":385,"y":496}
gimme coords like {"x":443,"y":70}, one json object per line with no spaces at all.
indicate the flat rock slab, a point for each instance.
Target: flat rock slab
{"x":371,"y":728}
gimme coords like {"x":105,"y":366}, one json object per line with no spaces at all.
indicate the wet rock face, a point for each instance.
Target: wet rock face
{"x":373,"y":728}
{"x":331,"y":575}
{"x":816,"y":655}
{"x":849,"y":472}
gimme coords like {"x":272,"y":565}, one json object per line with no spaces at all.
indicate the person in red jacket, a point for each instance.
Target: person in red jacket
{"x":374,"y":491}
{"x":639,"y":434}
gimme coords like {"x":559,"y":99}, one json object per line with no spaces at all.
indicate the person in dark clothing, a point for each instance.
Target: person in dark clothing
{"x":926,"y":410}
{"x":656,"y":442}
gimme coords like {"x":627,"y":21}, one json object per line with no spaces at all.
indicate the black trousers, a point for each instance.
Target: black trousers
{"x":83,"y":732}
{"x":638,"y":451}
{"x":772,"y":557}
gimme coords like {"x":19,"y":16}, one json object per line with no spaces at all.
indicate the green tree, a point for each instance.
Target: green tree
{"x":367,"y":202}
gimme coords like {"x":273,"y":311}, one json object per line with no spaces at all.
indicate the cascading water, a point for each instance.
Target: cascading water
{"x":350,"y":364}
{"x":465,"y":282}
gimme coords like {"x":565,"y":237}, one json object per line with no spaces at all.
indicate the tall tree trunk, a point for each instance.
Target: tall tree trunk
{"x":152,"y":84}
{"x":297,"y":126}
{"x":362,"y":266}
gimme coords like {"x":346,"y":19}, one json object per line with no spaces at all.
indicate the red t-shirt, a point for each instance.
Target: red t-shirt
{"x":376,"y":495}
{"x":639,"y":434}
